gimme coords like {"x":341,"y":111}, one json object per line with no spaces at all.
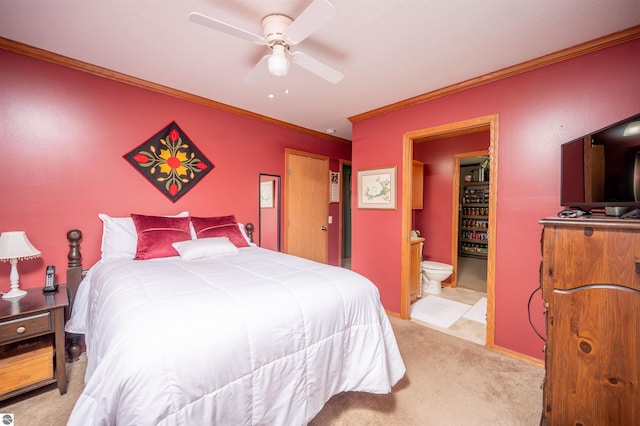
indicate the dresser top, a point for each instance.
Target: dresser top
{"x":596,"y":221}
{"x":34,"y":301}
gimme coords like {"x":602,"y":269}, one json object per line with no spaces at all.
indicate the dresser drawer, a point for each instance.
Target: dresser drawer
{"x":590,"y":256}
{"x":22,"y":328}
{"x":26,"y":363}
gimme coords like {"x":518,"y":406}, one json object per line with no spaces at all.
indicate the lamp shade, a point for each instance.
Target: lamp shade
{"x":16,"y":245}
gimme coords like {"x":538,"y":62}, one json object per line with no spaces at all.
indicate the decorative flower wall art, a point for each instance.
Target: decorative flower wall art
{"x":377,"y":188}
{"x":170,"y":161}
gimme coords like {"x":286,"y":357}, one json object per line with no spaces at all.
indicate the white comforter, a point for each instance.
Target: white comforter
{"x":249,"y":338}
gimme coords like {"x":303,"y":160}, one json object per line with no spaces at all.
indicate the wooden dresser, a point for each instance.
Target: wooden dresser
{"x":590,"y":279}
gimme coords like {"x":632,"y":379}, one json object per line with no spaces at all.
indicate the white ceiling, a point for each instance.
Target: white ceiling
{"x":388,"y":50}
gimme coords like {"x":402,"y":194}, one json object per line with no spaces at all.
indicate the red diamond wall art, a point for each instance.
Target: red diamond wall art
{"x":170,"y":161}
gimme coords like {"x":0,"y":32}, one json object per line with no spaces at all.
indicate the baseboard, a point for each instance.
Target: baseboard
{"x":395,"y":314}
{"x":518,"y":355}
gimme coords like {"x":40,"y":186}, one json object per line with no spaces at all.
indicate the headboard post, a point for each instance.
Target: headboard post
{"x":75,"y":258}
{"x":75,"y":343}
{"x":74,"y":266}
{"x":249,"y":228}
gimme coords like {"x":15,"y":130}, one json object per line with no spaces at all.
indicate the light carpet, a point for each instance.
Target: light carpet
{"x":437,"y":311}
{"x":478,"y":311}
{"x":459,"y":384}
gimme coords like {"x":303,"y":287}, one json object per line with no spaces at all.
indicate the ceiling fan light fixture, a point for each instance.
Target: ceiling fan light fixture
{"x":279,"y":34}
{"x":278,"y":62}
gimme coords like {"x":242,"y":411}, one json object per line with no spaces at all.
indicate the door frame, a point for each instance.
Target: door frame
{"x":490,"y":123}
{"x":455,"y":209}
{"x":343,"y":201}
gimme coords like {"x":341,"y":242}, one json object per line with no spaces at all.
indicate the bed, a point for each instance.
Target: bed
{"x":222,"y":335}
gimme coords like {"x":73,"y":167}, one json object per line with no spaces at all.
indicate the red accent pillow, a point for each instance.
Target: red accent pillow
{"x":222,"y":226}
{"x":157,"y":233}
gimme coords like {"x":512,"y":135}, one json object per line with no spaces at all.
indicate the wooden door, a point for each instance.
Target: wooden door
{"x":307,"y":205}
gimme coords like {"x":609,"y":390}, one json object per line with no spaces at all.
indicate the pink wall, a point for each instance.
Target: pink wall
{"x":434,"y":220}
{"x":538,"y":111}
{"x":376,"y":234}
{"x":64,"y":132}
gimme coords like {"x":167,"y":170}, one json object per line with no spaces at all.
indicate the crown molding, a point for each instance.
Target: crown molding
{"x":54,"y":58}
{"x":561,"y":55}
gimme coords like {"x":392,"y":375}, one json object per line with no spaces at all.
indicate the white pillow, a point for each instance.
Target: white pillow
{"x":119,"y":236}
{"x":204,"y":247}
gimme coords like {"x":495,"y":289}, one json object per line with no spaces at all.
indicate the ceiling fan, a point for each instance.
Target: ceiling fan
{"x":280,"y":33}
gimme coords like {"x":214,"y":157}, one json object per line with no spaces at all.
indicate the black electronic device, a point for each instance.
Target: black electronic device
{"x":602,"y":169}
{"x":573,"y":212}
{"x":633,"y":214}
{"x":49,"y":285}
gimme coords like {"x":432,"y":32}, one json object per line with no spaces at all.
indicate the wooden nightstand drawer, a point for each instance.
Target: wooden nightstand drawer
{"x":25,"y":327}
{"x":25,"y":363}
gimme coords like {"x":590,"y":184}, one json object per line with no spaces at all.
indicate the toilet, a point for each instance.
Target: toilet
{"x":433,"y":273}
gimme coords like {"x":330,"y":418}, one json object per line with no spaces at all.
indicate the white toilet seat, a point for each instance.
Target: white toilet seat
{"x":437,"y":266}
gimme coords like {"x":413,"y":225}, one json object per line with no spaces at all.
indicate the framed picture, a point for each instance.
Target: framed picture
{"x":266,"y":194}
{"x":377,"y":188}
{"x":334,"y":184}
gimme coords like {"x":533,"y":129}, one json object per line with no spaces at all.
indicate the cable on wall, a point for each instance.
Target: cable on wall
{"x":529,"y":315}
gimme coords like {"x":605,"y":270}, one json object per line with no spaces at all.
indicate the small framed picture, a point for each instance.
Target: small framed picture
{"x":377,"y":188}
{"x":334,"y":184}
{"x":266,"y":194}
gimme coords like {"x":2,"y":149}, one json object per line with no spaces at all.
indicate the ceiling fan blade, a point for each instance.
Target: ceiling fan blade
{"x":207,"y":21}
{"x":318,"y":13}
{"x":259,"y":72}
{"x":316,"y":67}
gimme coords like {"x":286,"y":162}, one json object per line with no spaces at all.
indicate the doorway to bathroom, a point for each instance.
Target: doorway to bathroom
{"x":439,"y":219}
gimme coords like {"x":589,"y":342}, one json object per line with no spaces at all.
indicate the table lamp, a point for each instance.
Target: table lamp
{"x":16,"y":246}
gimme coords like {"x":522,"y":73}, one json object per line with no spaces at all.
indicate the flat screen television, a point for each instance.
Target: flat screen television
{"x":602,"y":169}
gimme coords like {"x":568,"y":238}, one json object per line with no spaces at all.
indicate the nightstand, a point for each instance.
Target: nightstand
{"x":32,"y":342}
